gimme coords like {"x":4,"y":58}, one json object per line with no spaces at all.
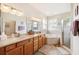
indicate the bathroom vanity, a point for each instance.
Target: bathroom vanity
{"x":23,"y":45}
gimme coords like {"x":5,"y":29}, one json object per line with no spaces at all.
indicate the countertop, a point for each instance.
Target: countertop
{"x":16,"y":39}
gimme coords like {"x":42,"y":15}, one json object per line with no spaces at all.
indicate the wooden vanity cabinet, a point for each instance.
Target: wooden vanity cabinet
{"x":16,"y":51}
{"x":2,"y":51}
{"x":10,"y":47}
{"x":11,"y":50}
{"x":44,"y":39}
{"x":28,"y":48}
{"x":25,"y":47}
{"x":40,"y":40}
{"x":36,"y":44}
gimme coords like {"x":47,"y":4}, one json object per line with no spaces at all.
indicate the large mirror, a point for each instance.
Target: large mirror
{"x":10,"y":27}
{"x":13,"y":24}
{"x":0,"y":26}
{"x":0,"y":22}
{"x":35,"y":26}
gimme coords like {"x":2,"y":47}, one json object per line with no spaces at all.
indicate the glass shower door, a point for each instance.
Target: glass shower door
{"x":67,"y":27}
{"x":67,"y":36}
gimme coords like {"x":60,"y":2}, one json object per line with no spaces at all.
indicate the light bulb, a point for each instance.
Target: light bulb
{"x":13,"y":11}
{"x":18,"y":13}
{"x":5,"y":8}
{"x":35,"y":19}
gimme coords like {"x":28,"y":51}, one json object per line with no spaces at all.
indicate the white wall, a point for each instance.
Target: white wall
{"x":75,"y":45}
{"x":27,"y":9}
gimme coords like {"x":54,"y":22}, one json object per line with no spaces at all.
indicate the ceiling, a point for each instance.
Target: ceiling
{"x":27,"y":9}
{"x":47,"y":9}
{"x":51,"y":9}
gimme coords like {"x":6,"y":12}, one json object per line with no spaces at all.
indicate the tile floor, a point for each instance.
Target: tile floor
{"x":52,"y":50}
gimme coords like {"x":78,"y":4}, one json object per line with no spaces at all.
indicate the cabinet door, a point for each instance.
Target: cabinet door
{"x":44,"y":40}
{"x":40,"y":42}
{"x":35,"y":48}
{"x":28,"y":48}
{"x":2,"y":51}
{"x":36,"y":44}
{"x":16,"y":51}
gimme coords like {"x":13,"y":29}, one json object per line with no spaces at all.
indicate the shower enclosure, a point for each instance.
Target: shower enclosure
{"x":66,"y":32}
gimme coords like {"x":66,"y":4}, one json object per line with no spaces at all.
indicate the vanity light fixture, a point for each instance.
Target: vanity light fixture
{"x":18,"y":13}
{"x":13,"y":11}
{"x":36,"y":19}
{"x":5,"y":8}
{"x":8,"y":9}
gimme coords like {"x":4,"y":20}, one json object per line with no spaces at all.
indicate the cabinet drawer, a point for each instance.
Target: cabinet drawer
{"x":40,"y":40}
{"x":40,"y":44}
{"x":36,"y":43}
{"x":35,"y":38}
{"x":16,"y":51}
{"x":40,"y":36}
{"x":30,"y":40}
{"x":35,"y":48}
{"x":1,"y":51}
{"x":22,"y":43}
{"x":10,"y":47}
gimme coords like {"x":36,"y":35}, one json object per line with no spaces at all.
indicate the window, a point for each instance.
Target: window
{"x":53,"y":25}
{"x":35,"y":25}
{"x":44,"y":24}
